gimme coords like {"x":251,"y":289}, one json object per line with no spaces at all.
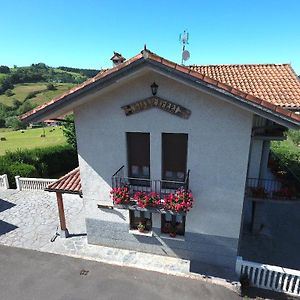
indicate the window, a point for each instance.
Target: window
{"x":138,"y":153}
{"x":174,"y":158}
{"x":140,"y":220}
{"x":173,"y":224}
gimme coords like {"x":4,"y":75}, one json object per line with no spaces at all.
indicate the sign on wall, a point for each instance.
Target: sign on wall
{"x":156,"y":102}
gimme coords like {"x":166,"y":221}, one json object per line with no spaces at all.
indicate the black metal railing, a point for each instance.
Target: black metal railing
{"x":161,"y":187}
{"x":272,"y":189}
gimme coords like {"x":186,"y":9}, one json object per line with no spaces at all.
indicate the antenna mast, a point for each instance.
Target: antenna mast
{"x":184,"y":40}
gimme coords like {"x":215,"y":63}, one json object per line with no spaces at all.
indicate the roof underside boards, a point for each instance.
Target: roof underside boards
{"x":198,"y":80}
{"x":69,"y":183}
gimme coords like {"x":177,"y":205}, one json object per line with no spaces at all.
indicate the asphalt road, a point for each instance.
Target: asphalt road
{"x":26,"y":274}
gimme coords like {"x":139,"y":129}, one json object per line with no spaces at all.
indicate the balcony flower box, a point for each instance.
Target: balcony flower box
{"x":181,"y":201}
{"x":150,"y":200}
{"x":120,"y":196}
{"x":259,"y":192}
{"x":283,"y":194}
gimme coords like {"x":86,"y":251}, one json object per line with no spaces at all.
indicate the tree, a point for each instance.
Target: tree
{"x":9,"y":93}
{"x":69,"y":131}
{"x":25,"y":107}
{"x":4,"y":69}
{"x":14,"y":123}
{"x":51,"y":87}
{"x":2,"y":123}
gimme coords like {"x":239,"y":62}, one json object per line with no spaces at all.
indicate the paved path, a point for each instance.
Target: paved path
{"x":278,"y":243}
{"x":27,"y":274}
{"x":29,"y":220}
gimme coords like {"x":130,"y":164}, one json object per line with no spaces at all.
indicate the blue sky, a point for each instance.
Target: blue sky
{"x":85,"y":33}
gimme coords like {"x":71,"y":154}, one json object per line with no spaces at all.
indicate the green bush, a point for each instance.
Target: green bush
{"x":287,"y":155}
{"x":32,"y":95}
{"x":40,"y":162}
{"x":23,"y":170}
{"x":14,"y":123}
{"x":294,"y":136}
{"x":51,"y":87}
{"x":9,"y":93}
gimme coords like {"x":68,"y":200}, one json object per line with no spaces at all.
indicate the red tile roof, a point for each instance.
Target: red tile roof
{"x":275,"y":83}
{"x":69,"y":183}
{"x":148,"y":55}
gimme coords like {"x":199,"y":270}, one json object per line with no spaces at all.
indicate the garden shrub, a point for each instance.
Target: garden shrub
{"x":294,"y":136}
{"x":287,"y":156}
{"x":39,"y":162}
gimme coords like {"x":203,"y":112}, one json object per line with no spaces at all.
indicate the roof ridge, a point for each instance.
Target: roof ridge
{"x":240,"y":65}
{"x":146,"y":54}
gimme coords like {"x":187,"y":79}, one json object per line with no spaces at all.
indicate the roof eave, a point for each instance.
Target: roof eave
{"x":240,"y":101}
{"x":44,"y":113}
{"x":63,"y":191}
{"x":167,"y":68}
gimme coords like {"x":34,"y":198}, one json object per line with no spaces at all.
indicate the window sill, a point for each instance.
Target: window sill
{"x":136,"y":232}
{"x":176,"y":238}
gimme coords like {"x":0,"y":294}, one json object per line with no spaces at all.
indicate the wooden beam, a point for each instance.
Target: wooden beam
{"x":61,"y":211}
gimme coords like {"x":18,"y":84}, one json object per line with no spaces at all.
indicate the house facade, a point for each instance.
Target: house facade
{"x":151,"y":125}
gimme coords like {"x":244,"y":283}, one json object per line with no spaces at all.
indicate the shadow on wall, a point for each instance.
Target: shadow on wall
{"x":4,"y":205}
{"x":6,"y":227}
{"x":114,"y":212}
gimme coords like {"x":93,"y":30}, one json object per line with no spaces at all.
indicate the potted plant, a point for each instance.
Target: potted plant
{"x":141,"y":227}
{"x":120,"y":196}
{"x":172,"y":231}
{"x":283,"y":193}
{"x":259,"y":192}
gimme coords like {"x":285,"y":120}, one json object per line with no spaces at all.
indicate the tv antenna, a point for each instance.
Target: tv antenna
{"x":184,"y":40}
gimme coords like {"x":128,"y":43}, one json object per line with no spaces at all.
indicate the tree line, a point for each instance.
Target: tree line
{"x":42,"y":73}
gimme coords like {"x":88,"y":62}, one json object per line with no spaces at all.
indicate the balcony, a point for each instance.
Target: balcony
{"x":162,"y":187}
{"x":269,"y":189}
{"x":270,"y":132}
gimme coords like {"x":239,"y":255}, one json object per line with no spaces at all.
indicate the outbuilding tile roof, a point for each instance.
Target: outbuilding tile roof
{"x":275,"y":83}
{"x":187,"y":71}
{"x":69,"y":183}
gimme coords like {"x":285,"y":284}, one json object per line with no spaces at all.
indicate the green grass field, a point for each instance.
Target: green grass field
{"x":22,"y":90}
{"x":31,"y":138}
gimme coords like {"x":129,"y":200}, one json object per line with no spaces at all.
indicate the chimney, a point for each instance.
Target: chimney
{"x":117,"y":59}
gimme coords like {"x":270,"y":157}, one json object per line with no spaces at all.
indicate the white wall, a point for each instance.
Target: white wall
{"x":218,"y":146}
{"x":255,"y":158}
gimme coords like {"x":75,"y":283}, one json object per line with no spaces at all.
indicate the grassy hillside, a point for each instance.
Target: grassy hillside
{"x":22,"y":90}
{"x":30,"y":138}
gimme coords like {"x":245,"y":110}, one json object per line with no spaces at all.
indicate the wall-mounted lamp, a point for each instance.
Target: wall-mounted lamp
{"x":154,"y":88}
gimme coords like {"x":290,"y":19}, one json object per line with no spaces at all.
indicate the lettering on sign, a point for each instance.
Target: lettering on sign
{"x":157,"y":102}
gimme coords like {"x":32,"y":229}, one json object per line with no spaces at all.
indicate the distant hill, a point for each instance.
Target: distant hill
{"x":23,"y":88}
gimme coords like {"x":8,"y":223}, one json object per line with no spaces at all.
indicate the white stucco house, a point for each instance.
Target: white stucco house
{"x":154,"y":126}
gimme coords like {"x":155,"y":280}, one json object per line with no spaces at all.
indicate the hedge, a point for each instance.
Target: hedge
{"x":287,"y":156}
{"x":39,"y":162}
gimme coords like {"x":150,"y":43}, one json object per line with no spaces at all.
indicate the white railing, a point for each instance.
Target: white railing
{"x":269,"y":277}
{"x":32,"y":184}
{"x":4,"y":182}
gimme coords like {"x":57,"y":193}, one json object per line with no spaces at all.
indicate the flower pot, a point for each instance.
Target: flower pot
{"x":172,"y":234}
